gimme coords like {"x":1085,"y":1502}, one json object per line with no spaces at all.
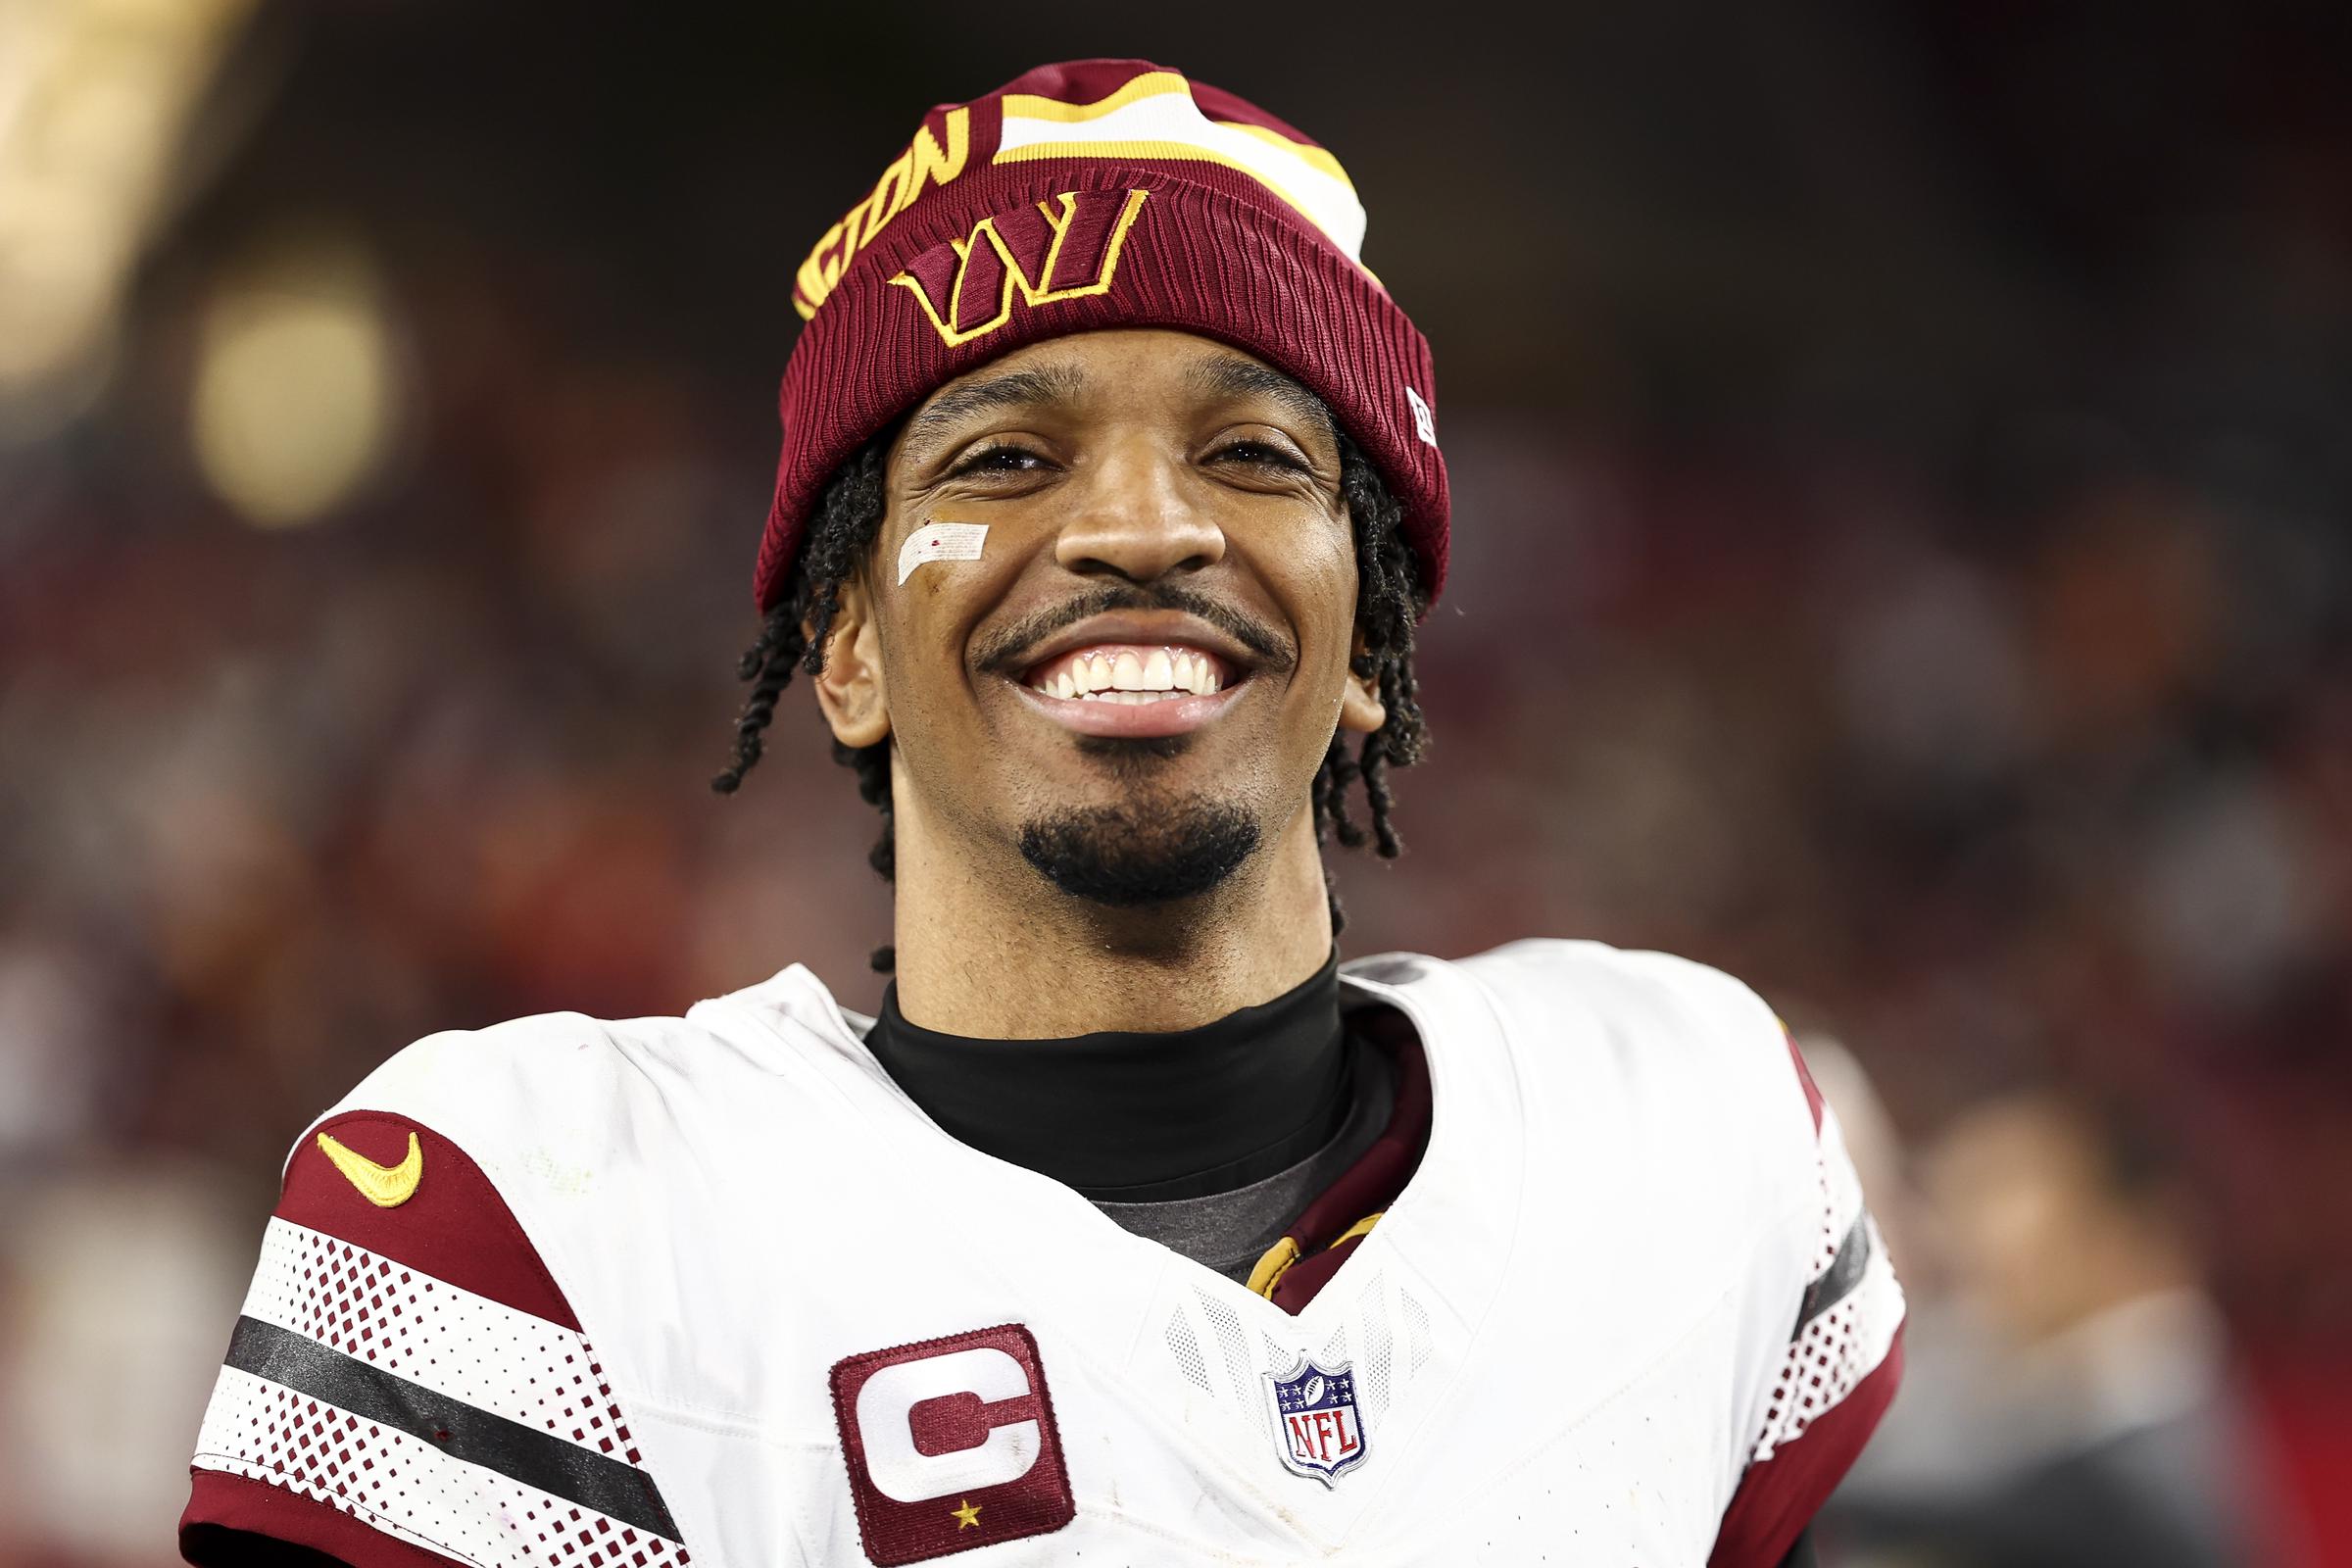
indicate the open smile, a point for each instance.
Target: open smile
{"x":1131,"y":689}
{"x":1136,"y":674}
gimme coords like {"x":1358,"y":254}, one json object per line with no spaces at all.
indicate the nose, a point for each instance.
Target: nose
{"x":1135,"y":520}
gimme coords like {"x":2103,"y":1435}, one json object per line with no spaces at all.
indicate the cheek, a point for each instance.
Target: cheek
{"x":1324,"y":614}
{"x":928,"y":624}
{"x":935,"y":587}
{"x":1305,"y":563}
{"x":919,"y":648}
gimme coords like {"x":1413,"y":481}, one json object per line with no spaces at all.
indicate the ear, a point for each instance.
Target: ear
{"x":1360,"y":706}
{"x":850,"y":688}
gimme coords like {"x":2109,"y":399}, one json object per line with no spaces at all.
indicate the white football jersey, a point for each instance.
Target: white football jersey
{"x":575,"y":1294}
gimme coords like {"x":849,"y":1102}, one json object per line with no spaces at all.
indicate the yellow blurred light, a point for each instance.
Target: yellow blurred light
{"x":295,"y":393}
{"x":95,"y":97}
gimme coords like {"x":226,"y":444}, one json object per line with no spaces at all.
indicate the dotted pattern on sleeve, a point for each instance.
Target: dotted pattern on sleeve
{"x":408,"y":1488}
{"x":429,"y":1331}
{"x":1834,"y":1351}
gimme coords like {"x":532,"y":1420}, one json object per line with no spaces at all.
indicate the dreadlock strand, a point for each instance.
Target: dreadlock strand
{"x":1375,"y":768}
{"x":1339,"y":772}
{"x":769,"y":663}
{"x":1389,"y":604}
{"x":793,"y":634}
{"x":1331,"y":902}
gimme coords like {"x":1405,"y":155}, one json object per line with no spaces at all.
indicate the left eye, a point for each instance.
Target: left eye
{"x":1259,"y":452}
{"x":998,"y":460}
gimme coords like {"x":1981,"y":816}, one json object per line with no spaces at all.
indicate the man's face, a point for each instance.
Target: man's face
{"x":1136,"y":681}
{"x":2029,"y":1229}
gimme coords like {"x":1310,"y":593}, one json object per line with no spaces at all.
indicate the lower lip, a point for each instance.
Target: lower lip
{"x":1169,"y":716}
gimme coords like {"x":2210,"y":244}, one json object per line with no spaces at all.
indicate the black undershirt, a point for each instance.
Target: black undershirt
{"x":1135,"y":1116}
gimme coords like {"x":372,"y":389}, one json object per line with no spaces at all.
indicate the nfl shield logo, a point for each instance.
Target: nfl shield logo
{"x":1318,"y":1430}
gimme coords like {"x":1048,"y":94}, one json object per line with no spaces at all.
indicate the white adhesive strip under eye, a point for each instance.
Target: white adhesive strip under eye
{"x":940,"y":541}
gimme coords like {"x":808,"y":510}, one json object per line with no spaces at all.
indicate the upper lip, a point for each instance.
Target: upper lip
{"x":1173,"y":628}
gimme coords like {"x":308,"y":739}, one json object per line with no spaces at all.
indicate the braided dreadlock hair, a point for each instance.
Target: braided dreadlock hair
{"x":841,"y":532}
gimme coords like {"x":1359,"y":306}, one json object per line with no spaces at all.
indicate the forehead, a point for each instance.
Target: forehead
{"x":1097,"y":372}
{"x":2020,"y":1142}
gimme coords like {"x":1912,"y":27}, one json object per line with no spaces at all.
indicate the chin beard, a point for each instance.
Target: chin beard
{"x":1125,"y":857}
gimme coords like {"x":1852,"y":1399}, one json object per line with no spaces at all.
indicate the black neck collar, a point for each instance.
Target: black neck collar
{"x":1137,"y":1116}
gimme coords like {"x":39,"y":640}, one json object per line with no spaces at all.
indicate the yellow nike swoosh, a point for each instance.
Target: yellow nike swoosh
{"x":384,"y":1186}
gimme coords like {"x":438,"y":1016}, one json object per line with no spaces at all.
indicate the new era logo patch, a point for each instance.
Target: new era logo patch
{"x":1425,"y":425}
{"x":950,"y":1444}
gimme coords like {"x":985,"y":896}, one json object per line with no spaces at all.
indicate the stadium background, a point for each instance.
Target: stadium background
{"x":1901,"y":557}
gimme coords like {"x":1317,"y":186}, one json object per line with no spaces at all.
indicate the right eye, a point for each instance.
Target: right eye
{"x":1000,"y":459}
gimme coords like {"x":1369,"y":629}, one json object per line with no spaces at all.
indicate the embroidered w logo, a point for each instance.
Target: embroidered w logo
{"x":1061,"y":249}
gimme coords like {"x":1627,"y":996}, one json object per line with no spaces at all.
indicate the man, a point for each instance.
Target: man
{"x":2096,"y":1418}
{"x":1135,"y":1228}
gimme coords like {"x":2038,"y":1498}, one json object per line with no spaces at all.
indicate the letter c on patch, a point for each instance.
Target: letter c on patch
{"x":900,"y":1470}
{"x":948,"y":1443}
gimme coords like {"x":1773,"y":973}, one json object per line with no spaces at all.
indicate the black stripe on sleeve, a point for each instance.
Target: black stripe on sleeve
{"x":462,"y":1431}
{"x":1838,"y":1280}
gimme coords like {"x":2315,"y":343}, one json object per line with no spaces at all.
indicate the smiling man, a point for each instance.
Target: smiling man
{"x":1135,"y":1227}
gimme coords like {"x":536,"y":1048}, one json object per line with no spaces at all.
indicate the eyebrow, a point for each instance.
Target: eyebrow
{"x":1230,"y":378}
{"x":1050,"y":384}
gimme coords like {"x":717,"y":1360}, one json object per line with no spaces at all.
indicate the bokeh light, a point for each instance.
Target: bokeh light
{"x":296,"y":392}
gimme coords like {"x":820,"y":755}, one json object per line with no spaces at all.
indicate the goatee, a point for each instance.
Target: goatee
{"x":1125,"y":857}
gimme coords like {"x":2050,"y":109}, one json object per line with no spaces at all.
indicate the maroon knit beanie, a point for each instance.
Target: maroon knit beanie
{"x":1099,"y":193}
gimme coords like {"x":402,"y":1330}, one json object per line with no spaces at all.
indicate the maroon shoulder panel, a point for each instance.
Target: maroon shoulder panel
{"x":224,"y":1509}
{"x":1804,"y":1076}
{"x":1778,"y":1498}
{"x":402,"y":1190}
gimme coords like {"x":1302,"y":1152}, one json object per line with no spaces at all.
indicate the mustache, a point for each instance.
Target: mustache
{"x":1003,"y":652}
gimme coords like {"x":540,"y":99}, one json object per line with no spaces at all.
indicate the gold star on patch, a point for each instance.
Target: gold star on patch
{"x":967,"y":1517}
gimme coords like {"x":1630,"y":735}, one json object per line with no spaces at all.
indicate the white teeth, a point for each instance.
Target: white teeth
{"x":1127,"y":676}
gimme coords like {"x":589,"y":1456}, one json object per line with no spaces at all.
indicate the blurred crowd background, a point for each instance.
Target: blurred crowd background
{"x":1902,"y":460}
